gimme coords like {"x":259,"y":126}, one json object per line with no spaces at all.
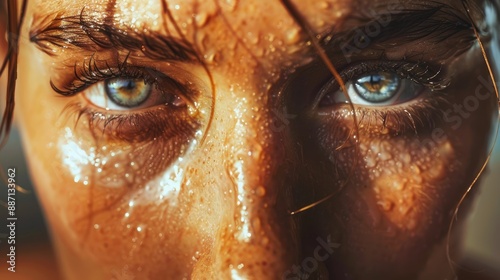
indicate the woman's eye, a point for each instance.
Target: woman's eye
{"x":380,"y":88}
{"x":127,"y":94}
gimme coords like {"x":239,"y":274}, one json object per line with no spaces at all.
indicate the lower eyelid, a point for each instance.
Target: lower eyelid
{"x":415,"y":117}
{"x":134,"y":127}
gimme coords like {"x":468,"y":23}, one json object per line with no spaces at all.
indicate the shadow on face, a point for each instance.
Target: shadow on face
{"x":190,"y":139}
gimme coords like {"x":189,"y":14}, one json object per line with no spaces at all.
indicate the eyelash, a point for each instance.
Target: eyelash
{"x":90,"y":73}
{"x":129,"y":126}
{"x":414,"y":116}
{"x":428,"y":76}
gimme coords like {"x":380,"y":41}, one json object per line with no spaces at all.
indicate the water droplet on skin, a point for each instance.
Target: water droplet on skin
{"x":210,"y":57}
{"x":265,"y":241}
{"x":256,"y":224}
{"x":201,"y":19}
{"x":292,"y":36}
{"x":386,"y":205}
{"x":398,"y":185}
{"x":412,"y":224}
{"x":253,"y":38}
{"x":231,"y":4}
{"x":403,"y":209}
{"x":260,"y":191}
{"x":384,"y":156}
{"x":258,"y":52}
{"x":324,"y":5}
{"x":370,"y":162}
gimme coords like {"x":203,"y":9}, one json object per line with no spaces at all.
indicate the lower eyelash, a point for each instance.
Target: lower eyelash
{"x":158,"y":122}
{"x":417,"y":117}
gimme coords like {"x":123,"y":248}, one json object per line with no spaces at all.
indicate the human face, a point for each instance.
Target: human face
{"x":185,"y":139}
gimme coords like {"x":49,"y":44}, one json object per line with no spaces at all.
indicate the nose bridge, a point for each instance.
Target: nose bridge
{"x":262,"y":242}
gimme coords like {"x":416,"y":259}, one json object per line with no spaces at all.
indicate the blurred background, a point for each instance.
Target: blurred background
{"x":35,"y":255}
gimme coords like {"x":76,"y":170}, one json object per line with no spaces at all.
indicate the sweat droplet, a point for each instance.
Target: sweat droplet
{"x":231,"y":4}
{"x":209,"y":57}
{"x":253,"y":38}
{"x":256,"y":224}
{"x":292,"y":36}
{"x":201,"y":19}
{"x":260,"y":191}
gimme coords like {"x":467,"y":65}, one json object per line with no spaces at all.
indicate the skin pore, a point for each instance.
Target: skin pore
{"x":242,"y":125}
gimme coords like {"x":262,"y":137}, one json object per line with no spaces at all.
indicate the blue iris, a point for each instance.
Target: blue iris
{"x":378,"y":87}
{"x":127,"y":92}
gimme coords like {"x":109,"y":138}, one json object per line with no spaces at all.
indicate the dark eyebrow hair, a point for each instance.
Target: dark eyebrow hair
{"x":88,"y":33}
{"x":432,"y":23}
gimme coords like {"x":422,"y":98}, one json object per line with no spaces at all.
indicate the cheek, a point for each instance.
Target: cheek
{"x":407,"y":181}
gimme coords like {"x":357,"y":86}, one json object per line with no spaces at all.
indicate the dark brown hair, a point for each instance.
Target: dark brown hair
{"x":9,"y":12}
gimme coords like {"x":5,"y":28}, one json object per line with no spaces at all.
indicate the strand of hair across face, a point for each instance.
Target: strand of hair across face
{"x":483,"y":167}
{"x":324,"y":57}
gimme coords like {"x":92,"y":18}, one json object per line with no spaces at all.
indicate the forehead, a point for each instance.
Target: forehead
{"x":254,"y":30}
{"x":200,"y":12}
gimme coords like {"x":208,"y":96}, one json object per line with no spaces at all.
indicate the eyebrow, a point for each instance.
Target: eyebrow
{"x":434,"y":24}
{"x":89,"y":34}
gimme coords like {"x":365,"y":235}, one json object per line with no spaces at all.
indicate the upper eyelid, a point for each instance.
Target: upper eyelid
{"x":86,"y":33}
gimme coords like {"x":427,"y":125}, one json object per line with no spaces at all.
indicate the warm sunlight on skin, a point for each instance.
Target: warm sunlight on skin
{"x":166,"y":155}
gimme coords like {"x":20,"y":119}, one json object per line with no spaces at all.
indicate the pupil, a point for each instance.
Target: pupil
{"x":375,"y":82}
{"x":130,"y":85}
{"x":127,"y":92}
{"x":377,"y":87}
